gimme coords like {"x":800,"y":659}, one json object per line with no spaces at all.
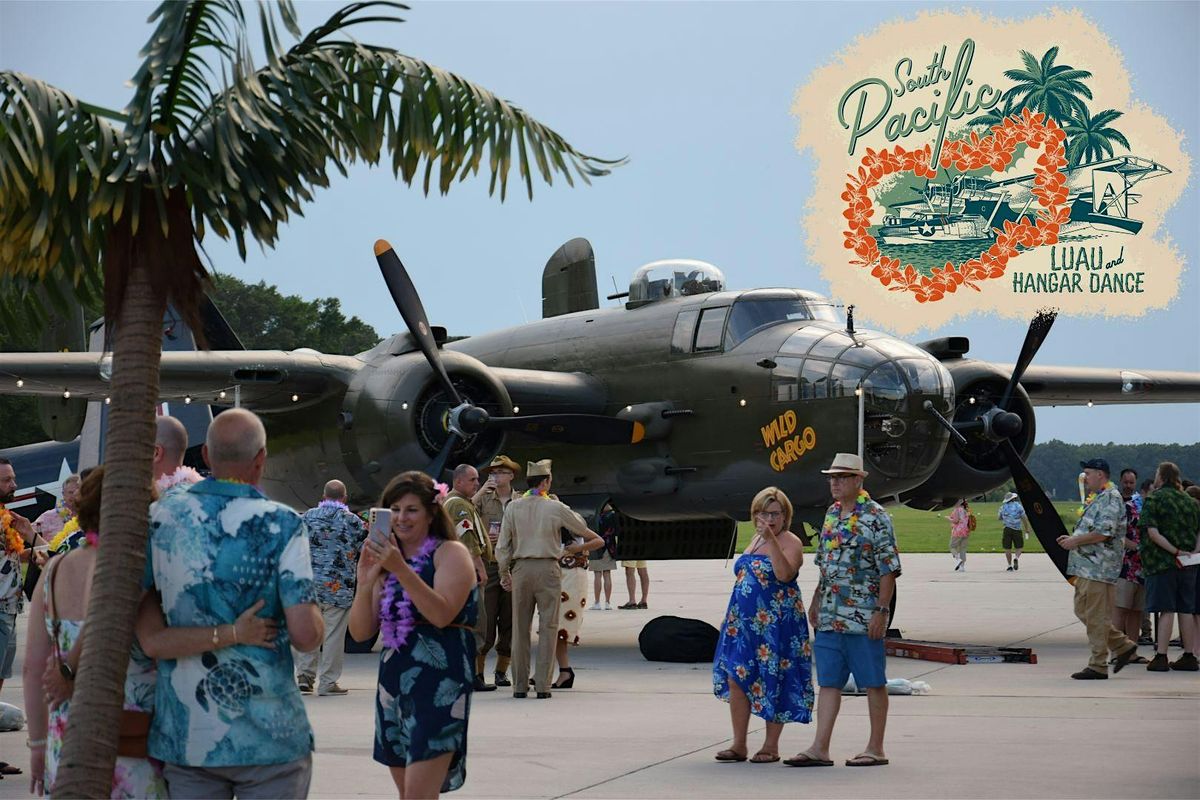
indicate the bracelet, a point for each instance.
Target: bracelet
{"x":215,"y":641}
{"x":235,"y":639}
{"x":33,"y":744}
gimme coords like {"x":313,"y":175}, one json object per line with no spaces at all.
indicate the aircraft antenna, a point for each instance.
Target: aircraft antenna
{"x":524,"y":316}
{"x":850,"y":319}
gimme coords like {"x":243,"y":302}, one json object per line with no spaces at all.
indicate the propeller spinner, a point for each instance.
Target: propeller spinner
{"x":466,"y":419}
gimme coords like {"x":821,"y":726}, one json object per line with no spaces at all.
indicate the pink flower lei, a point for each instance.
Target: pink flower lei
{"x":396,"y":618}
{"x":184,"y":475}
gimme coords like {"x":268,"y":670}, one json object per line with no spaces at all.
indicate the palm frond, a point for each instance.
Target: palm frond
{"x":56,"y":198}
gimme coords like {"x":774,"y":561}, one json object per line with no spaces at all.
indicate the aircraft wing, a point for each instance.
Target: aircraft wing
{"x":265,"y":379}
{"x":1078,"y":386}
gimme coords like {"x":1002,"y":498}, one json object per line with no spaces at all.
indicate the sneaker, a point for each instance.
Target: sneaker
{"x":596,"y":607}
{"x":1185,"y":663}
{"x":1158,"y":663}
{"x":958,"y":566}
{"x":305,"y":683}
{"x":1089,"y":674}
{"x":481,"y":685}
{"x":1016,"y":565}
{"x":606,"y":606}
{"x":332,"y":688}
{"x":1010,"y":568}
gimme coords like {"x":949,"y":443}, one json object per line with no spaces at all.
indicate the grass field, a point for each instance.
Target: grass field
{"x":929,"y":531}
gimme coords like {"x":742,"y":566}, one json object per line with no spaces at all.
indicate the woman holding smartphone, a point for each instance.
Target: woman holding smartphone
{"x":416,"y":587}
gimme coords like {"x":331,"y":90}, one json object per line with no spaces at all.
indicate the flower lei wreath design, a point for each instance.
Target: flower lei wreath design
{"x":995,"y":151}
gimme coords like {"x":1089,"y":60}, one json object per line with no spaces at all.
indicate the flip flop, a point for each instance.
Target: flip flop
{"x":729,"y":755}
{"x":9,"y":769}
{"x":764,"y":757}
{"x":866,"y":760}
{"x":805,"y":760}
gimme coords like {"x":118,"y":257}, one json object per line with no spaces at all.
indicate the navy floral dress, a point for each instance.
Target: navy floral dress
{"x":424,"y":696}
{"x":764,"y":647}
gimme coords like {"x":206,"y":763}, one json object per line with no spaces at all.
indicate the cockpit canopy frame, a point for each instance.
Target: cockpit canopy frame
{"x":671,"y":278}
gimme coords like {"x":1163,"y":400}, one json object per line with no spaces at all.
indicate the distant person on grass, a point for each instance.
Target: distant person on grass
{"x":962,"y":522}
{"x":1016,"y":529}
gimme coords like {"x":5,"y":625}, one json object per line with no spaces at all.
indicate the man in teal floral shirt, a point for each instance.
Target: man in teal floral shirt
{"x":857,"y":558}
{"x":1097,"y":548}
{"x":335,"y":536}
{"x":230,"y":721}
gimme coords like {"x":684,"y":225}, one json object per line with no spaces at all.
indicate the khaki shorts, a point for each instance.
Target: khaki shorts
{"x":1012,"y":540}
{"x":1130,"y":595}
{"x":633,"y":564}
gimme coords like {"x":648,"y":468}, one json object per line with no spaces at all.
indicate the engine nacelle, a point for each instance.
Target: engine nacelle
{"x":979,"y":465}
{"x":396,"y":412}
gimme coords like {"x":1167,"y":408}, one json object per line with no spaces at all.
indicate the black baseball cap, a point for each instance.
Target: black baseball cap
{"x":1096,"y":463}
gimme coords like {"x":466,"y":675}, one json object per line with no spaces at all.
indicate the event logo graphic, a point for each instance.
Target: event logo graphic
{"x":1002,"y":158}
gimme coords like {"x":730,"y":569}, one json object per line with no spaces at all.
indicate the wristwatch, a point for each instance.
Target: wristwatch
{"x":65,"y":670}
{"x":884,"y":609}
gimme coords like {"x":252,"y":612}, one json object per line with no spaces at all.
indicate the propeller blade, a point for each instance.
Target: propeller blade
{"x":1043,"y":517}
{"x":439,"y":464}
{"x":1039,"y":328}
{"x":592,"y":429}
{"x":408,"y":302}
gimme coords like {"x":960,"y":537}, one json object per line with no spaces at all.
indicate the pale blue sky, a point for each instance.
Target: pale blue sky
{"x":698,"y":95}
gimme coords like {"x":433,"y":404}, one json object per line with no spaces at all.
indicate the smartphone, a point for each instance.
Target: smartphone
{"x":379,"y":525}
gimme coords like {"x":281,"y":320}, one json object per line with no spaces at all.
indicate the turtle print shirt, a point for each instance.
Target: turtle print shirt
{"x":214,"y":549}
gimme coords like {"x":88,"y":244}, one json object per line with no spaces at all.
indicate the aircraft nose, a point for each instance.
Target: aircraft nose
{"x":896,"y":378}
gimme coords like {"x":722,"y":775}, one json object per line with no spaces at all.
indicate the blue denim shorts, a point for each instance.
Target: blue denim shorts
{"x":837,"y":655}
{"x":8,"y":644}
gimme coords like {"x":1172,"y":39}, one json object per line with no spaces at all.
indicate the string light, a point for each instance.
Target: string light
{"x":66,"y":394}
{"x":108,"y":401}
{"x":404,"y":406}
{"x":971,"y":400}
{"x":295,"y":398}
{"x":222,"y":394}
{"x":516,"y":409}
{"x":187,"y":400}
{"x":742,"y":402}
{"x":1090,"y":403}
{"x":20,"y":383}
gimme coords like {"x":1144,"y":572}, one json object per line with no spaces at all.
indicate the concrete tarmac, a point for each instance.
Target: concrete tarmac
{"x":636,"y":729}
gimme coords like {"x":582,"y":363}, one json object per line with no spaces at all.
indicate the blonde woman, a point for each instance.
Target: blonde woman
{"x":763,"y":663}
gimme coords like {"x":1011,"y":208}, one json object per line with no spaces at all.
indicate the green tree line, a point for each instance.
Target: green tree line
{"x":1056,"y":464}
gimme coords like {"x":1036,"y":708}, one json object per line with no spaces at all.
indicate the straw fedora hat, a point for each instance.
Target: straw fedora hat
{"x":846,"y":463}
{"x":501,"y":462}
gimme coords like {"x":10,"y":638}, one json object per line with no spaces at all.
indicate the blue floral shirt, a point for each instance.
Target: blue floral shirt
{"x":851,"y":564}
{"x":334,"y":538}
{"x":214,"y":549}
{"x":1011,"y":514}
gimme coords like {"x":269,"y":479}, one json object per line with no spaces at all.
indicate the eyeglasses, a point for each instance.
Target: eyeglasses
{"x":770,"y":514}
{"x":835,"y":478}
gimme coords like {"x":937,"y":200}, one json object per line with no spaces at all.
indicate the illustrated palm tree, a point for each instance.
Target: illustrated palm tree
{"x":996,"y":115}
{"x":117,"y":203}
{"x":1090,"y":138}
{"x":1054,"y":89}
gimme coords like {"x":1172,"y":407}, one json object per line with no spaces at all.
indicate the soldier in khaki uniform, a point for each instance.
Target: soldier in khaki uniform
{"x":530,"y":544}
{"x":496,"y":609}
{"x":470,"y":531}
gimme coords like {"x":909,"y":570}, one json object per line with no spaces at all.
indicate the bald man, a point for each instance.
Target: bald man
{"x":215,"y":549}
{"x":170,"y":444}
{"x":335,"y":536}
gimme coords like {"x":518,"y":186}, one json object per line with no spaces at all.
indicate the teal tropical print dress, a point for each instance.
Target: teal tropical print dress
{"x":764,"y":647}
{"x":424,"y":696}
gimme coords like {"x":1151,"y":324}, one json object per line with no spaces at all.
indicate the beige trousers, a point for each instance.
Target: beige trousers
{"x":1093,"y":607}
{"x":535,"y":582}
{"x":324,"y":667}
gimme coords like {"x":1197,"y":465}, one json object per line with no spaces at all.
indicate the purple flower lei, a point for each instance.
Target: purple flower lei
{"x":333,"y":504}
{"x":396,"y":619}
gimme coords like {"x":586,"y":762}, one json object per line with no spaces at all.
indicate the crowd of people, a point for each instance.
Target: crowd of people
{"x":247,"y":605}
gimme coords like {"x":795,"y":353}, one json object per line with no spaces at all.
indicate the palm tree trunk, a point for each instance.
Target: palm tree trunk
{"x":89,"y":754}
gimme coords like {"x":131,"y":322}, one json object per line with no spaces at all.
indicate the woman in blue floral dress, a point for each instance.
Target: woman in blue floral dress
{"x":417,"y":589}
{"x":763,"y":664}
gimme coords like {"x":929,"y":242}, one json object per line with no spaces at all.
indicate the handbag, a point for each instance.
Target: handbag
{"x":133,"y":731}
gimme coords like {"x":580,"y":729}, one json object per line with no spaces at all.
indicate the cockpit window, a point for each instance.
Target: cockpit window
{"x":750,"y":316}
{"x":666,"y":280}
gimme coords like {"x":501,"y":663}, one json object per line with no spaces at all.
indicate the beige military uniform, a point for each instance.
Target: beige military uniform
{"x":530,"y":544}
{"x":470,"y":531}
{"x":496,"y":609}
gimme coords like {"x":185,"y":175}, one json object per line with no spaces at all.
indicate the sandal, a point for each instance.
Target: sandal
{"x":8,"y":769}
{"x":805,"y":760}
{"x":628,"y":606}
{"x":866,"y":760}
{"x":764,"y":757}
{"x":730,"y":755}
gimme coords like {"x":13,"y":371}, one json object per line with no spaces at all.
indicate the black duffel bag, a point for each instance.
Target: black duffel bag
{"x":678,"y":640}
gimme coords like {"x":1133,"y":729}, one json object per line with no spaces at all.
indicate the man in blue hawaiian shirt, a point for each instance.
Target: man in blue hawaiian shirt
{"x":230,"y":721}
{"x":1016,"y":528}
{"x":335,"y":536}
{"x":858,"y":564}
{"x":1097,"y":548}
